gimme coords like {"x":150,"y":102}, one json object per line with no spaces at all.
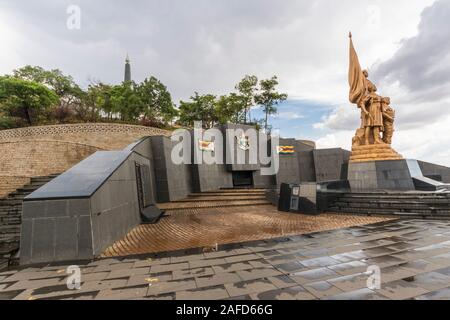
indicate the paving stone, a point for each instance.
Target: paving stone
{"x":351,"y":282}
{"x":280,"y":259}
{"x":291,"y":293}
{"x":151,"y":262}
{"x":33,"y":275}
{"x":169,"y":267}
{"x":420,"y":266}
{"x":349,"y":268}
{"x":114,"y":274}
{"x":24,"y":295}
{"x":104,"y":284}
{"x":230,"y":267}
{"x":248,"y":287}
{"x":190,"y":273}
{"x":441,"y":259}
{"x":101,"y":262}
{"x":210,"y":293}
{"x":322,"y":289}
{"x":170,"y":286}
{"x":319,"y":262}
{"x":443,"y":294}
{"x":33,"y":284}
{"x":350,"y":256}
{"x":282,"y":281}
{"x":314,"y":275}
{"x":94,"y":276}
{"x":360,"y":294}
{"x":243,"y":297}
{"x":206,"y":263}
{"x":395,"y":273}
{"x":140,"y":279}
{"x":186,"y":258}
{"x":240,"y":258}
{"x":431,"y":281}
{"x":217,"y":279}
{"x":259,"y":263}
{"x":379,"y":251}
{"x":166,"y":296}
{"x":291,"y":267}
{"x":384,"y":261}
{"x":122,"y":294}
{"x":445,"y":270}
{"x":400,"y":290}
{"x":258,"y":273}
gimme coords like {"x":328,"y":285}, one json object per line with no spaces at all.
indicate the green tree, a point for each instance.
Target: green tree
{"x":156,"y":100}
{"x":269,"y":98}
{"x":247,"y":88}
{"x":229,"y":108}
{"x":96,"y":103}
{"x":25,"y":99}
{"x":126,"y":101}
{"x":64,"y":86}
{"x":202,"y":108}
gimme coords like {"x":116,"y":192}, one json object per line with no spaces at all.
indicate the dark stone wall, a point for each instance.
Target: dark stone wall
{"x":115,"y":206}
{"x":434,"y":171}
{"x":208,"y":177}
{"x":378,"y":175}
{"x":173,"y":181}
{"x":330,"y":164}
{"x":289,"y":171}
{"x":144,"y":148}
{"x":239,"y":167}
{"x":263,"y":181}
{"x":78,"y":229}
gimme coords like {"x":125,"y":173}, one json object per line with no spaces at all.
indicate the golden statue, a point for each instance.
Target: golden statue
{"x":377,"y":117}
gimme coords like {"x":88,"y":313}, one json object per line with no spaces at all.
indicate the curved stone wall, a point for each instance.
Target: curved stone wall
{"x":44,"y":150}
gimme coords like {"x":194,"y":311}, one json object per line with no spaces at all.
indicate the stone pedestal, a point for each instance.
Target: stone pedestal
{"x":380,"y":175}
{"x":374,"y":152}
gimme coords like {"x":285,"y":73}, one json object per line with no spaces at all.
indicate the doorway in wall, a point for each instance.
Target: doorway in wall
{"x":242,"y":179}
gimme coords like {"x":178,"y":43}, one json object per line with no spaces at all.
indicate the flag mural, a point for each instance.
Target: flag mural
{"x":206,"y":145}
{"x":285,"y":149}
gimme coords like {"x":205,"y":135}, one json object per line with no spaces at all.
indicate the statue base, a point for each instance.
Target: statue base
{"x":374,"y":152}
{"x":380,"y":175}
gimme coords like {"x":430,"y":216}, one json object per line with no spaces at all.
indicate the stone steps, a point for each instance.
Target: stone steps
{"x":396,"y":204}
{"x":11,"y":217}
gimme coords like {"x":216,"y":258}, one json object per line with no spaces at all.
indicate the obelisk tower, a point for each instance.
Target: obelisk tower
{"x":127,"y":77}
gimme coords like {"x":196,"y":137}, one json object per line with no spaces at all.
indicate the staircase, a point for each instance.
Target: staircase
{"x":405,"y":204}
{"x":11,"y":217}
{"x":219,"y":199}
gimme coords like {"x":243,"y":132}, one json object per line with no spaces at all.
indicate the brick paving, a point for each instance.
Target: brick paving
{"x":414,"y":257}
{"x":189,"y":227}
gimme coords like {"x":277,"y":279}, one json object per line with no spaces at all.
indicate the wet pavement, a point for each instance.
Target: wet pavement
{"x":413,"y":257}
{"x":211,"y":219}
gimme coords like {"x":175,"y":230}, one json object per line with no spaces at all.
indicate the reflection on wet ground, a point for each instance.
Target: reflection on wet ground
{"x":413,"y":257}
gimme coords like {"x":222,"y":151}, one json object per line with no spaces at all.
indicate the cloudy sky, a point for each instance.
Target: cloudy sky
{"x":208,"y":45}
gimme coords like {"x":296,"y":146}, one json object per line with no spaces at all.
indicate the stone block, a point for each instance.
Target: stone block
{"x":66,"y":238}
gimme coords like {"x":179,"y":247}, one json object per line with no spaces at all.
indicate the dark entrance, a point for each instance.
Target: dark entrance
{"x":242,"y":178}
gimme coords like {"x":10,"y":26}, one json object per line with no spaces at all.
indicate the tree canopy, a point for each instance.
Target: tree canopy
{"x":32,"y":95}
{"x":26,"y":100}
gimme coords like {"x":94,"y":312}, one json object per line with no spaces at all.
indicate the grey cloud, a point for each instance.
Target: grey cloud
{"x":422,"y":63}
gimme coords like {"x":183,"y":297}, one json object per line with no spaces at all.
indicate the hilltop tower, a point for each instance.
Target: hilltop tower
{"x":127,"y":69}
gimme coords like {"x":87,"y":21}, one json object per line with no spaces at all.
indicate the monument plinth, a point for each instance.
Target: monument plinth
{"x":374,"y":152}
{"x":373,"y":163}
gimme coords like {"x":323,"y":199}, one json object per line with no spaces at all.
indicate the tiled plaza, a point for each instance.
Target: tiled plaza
{"x":413,"y":256}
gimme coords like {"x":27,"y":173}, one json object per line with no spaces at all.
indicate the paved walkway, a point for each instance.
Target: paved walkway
{"x":212,"y":219}
{"x":413,"y":255}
